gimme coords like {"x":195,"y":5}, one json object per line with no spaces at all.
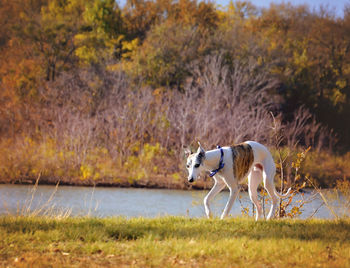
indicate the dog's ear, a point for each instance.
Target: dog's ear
{"x":187,"y":151}
{"x":200,"y":149}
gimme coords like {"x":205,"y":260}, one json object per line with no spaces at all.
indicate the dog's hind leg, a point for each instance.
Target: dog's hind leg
{"x":217,"y":188}
{"x":268,"y":176}
{"x":254,"y":178}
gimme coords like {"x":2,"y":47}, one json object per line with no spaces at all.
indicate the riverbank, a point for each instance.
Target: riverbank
{"x":160,"y":182}
{"x":174,"y":242}
{"x":150,"y":166}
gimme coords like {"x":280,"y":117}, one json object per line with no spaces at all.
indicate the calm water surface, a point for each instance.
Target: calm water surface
{"x":107,"y":202}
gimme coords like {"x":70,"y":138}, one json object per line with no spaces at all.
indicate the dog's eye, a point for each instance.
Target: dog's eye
{"x":188,"y":166}
{"x":196,"y":165}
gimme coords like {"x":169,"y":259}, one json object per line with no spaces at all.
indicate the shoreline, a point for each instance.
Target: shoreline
{"x":137,"y":184}
{"x":120,"y":183}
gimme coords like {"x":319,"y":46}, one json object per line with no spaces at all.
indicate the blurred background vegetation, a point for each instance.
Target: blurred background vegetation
{"x":95,"y":93}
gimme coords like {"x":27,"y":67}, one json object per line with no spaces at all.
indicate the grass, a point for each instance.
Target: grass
{"x":173,"y":242}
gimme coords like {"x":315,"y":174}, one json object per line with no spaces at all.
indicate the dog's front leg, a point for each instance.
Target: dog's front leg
{"x":234,"y":191}
{"x":218,"y":186}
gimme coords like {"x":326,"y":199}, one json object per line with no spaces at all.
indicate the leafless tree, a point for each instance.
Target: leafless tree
{"x":223,"y":104}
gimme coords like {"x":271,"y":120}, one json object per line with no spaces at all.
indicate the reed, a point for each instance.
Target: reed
{"x":43,"y":208}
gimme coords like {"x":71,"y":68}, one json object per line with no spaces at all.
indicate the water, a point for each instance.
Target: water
{"x":128,"y":202}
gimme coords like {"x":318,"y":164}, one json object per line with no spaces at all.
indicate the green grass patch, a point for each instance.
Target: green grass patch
{"x":173,"y":241}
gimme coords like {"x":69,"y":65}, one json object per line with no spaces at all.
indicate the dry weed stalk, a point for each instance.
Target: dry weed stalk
{"x":47,"y":209}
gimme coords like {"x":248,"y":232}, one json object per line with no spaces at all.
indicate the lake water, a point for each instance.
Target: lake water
{"x":129,"y":202}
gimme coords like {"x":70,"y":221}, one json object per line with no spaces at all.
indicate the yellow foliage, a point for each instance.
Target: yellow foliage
{"x":129,"y":47}
{"x":176,"y":176}
{"x":86,"y":172}
{"x":341,"y":83}
{"x":301,"y":60}
{"x":143,"y":164}
{"x":337,"y":96}
{"x":86,"y":54}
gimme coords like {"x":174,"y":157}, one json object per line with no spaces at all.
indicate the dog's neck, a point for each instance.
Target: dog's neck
{"x":212,"y":159}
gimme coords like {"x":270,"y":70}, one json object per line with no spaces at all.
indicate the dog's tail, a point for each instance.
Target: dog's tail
{"x":283,"y":195}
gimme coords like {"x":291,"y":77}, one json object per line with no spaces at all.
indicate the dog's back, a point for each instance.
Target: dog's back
{"x":262,"y":155}
{"x":242,"y":159}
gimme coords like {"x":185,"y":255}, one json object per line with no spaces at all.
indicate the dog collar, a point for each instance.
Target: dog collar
{"x":221,"y":163}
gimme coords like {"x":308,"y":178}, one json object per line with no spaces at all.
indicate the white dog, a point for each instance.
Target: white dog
{"x":229,"y":166}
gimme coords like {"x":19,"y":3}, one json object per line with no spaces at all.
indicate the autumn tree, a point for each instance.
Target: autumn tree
{"x":163,"y":58}
{"x":19,"y":73}
{"x":100,"y":38}
{"x":52,"y":34}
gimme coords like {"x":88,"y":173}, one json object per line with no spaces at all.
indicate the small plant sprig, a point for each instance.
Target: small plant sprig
{"x":296,"y":209}
{"x":278,"y":135}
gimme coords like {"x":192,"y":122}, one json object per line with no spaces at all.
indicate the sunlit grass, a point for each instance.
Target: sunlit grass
{"x":173,"y":241}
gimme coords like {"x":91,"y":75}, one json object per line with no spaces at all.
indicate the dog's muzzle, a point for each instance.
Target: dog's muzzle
{"x":191,"y":180}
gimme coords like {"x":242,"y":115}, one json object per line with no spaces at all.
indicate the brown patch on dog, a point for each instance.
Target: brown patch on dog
{"x":259,"y":166}
{"x":242,"y":157}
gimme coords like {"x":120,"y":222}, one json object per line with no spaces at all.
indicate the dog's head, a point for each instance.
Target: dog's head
{"x":194,"y":163}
